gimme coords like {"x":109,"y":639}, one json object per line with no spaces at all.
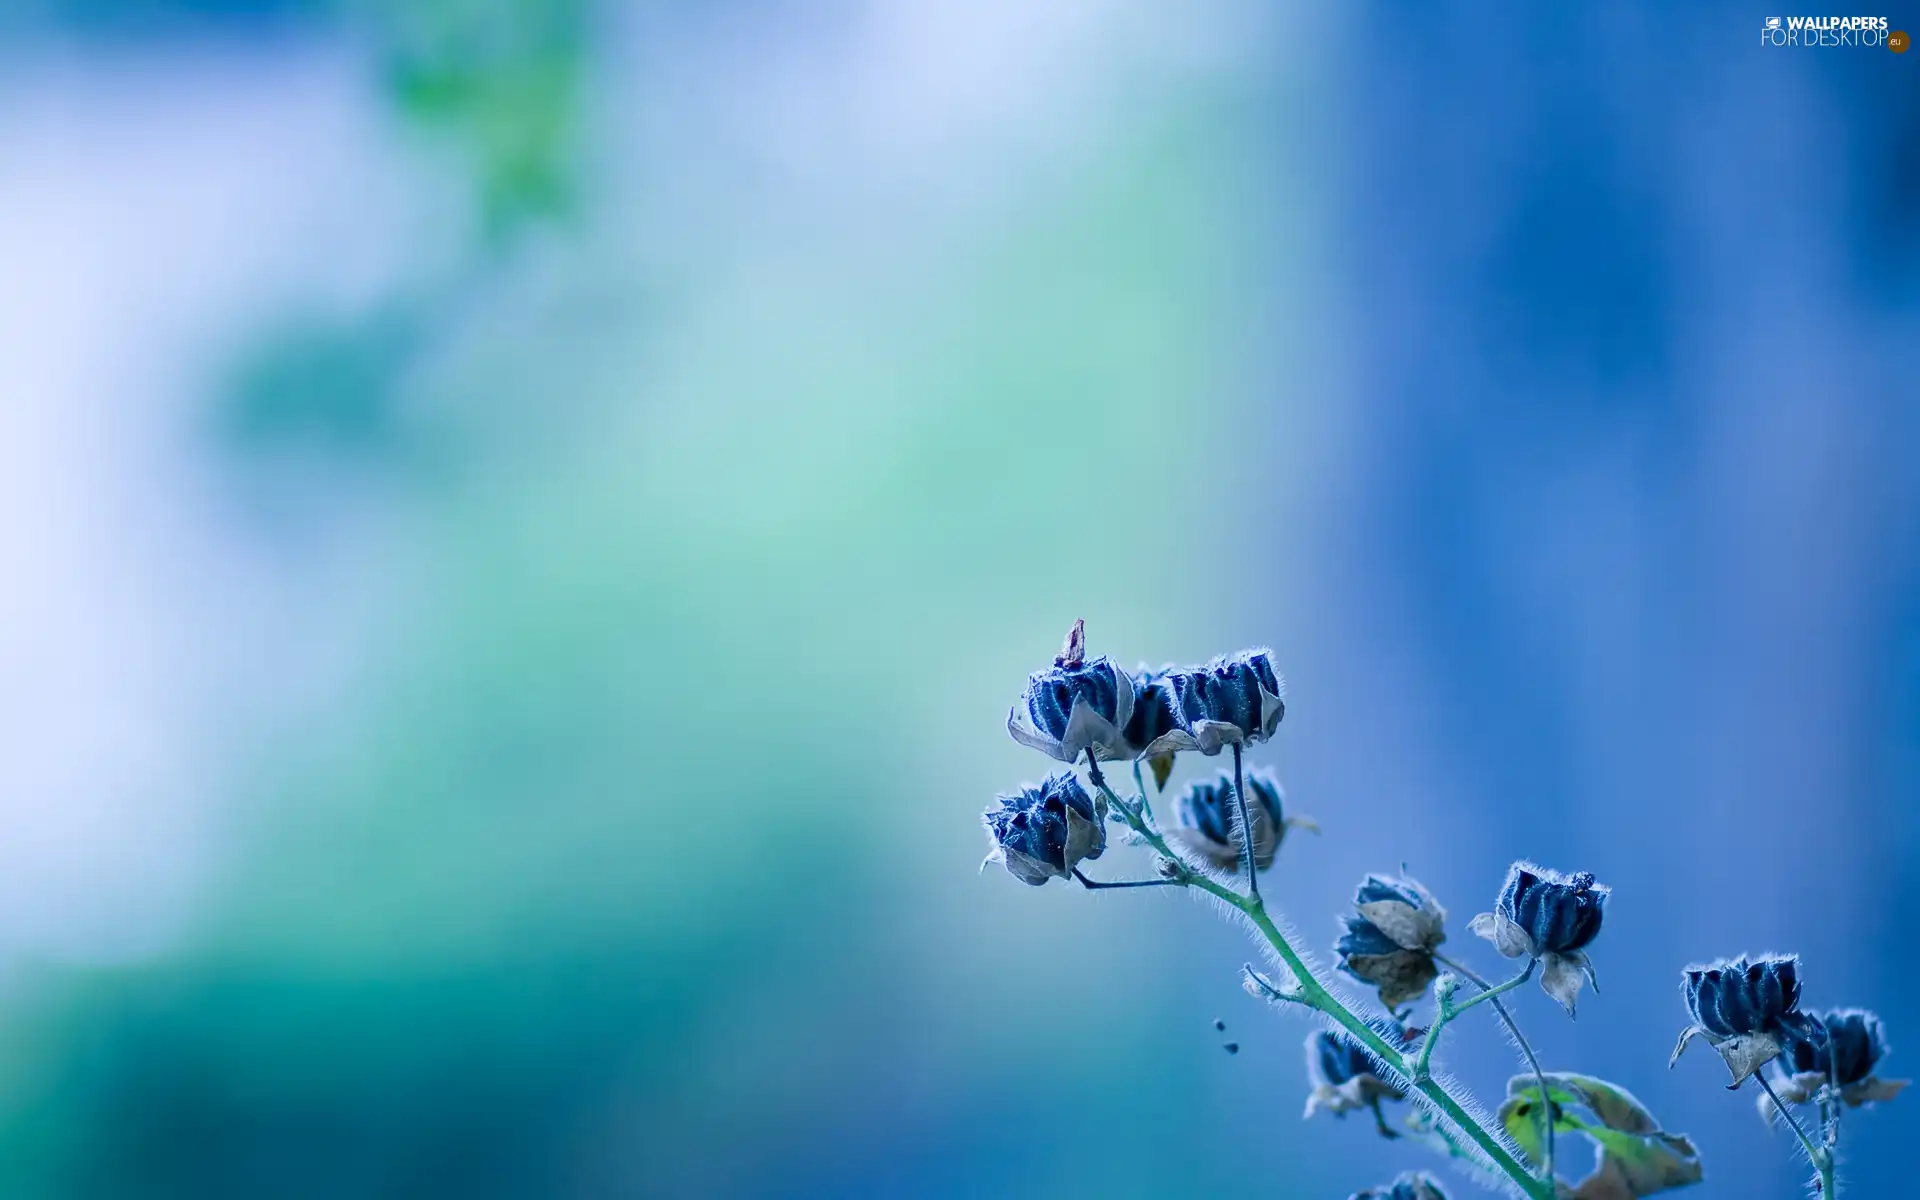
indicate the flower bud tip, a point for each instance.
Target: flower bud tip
{"x":1073,"y":652}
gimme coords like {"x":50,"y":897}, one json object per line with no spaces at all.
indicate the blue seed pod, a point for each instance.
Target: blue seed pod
{"x":1735,"y":997}
{"x":1746,"y":1009}
{"x":1552,"y":917}
{"x":1073,"y":707}
{"x":1155,"y":721}
{"x":1344,"y":1075}
{"x":1411,"y":1185}
{"x":1233,"y":700}
{"x":1839,"y":1048}
{"x":1365,"y":939}
{"x":1205,"y":814}
{"x":1391,"y":937}
{"x":1850,"y":1041}
{"x":1043,"y":831}
{"x":1333,"y":1059}
{"x":1561,"y":913}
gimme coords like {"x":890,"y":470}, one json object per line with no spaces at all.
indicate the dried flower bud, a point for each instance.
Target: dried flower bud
{"x":1233,"y":700}
{"x":1073,"y":707}
{"x":1409,"y":1185}
{"x":1841,"y":1049}
{"x":1844,"y":1043}
{"x":1552,"y":917}
{"x":1731,"y":998}
{"x":1205,"y":819}
{"x":1155,"y":720}
{"x":1043,"y":832}
{"x":1073,"y":651}
{"x":1345,"y":1076}
{"x":1254,"y":984}
{"x":1391,"y":937}
{"x":1745,"y":1010}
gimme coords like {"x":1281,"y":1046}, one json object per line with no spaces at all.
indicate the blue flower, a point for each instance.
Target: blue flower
{"x":1043,"y":832}
{"x":1745,"y":1010}
{"x":1345,"y":1076}
{"x":1205,"y":819}
{"x":1409,"y":1185}
{"x":1079,"y":705}
{"x":1391,"y":937}
{"x":1150,"y":728}
{"x":1551,"y":917}
{"x":1075,"y":706}
{"x":1841,"y":1050}
{"x":1233,"y":700}
{"x":1735,"y":997}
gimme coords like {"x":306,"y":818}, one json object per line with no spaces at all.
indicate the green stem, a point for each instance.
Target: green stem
{"x":1246,"y":827}
{"x":1312,"y":992}
{"x":1140,"y":786}
{"x":1497,"y":989}
{"x":1315,"y":993}
{"x":1449,"y":1010}
{"x":1821,"y":1160}
{"x":1547,"y":1118}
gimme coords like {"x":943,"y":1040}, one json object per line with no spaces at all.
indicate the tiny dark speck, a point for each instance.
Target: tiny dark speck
{"x":1219,"y":1025}
{"x":1231,"y":1047}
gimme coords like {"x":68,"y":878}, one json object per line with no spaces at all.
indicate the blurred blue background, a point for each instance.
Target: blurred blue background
{"x":521,"y":523}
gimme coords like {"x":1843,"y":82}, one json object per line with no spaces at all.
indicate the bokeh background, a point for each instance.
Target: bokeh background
{"x":521,"y":522}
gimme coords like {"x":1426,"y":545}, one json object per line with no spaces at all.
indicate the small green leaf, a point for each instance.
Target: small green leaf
{"x":1614,"y":1105}
{"x":1637,"y":1157}
{"x":1518,"y":1117}
{"x":1643,"y":1165}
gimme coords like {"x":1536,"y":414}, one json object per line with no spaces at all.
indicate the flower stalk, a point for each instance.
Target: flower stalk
{"x":1746,"y":1009}
{"x":1449,"y":1010}
{"x":1246,"y":826}
{"x":1310,"y":991}
{"x":1817,"y":1155}
{"x":1526,"y":1048}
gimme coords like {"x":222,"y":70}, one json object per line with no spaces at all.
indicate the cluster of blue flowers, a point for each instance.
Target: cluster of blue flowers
{"x":1748,"y":1010}
{"x":1087,"y":710}
{"x":1394,"y":933}
{"x":1081,"y":708}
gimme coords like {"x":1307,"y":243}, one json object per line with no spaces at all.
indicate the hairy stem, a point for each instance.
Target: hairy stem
{"x":1246,"y":826}
{"x":1095,"y":885}
{"x":1313,"y":993}
{"x":1140,"y":786}
{"x":1526,"y":1048}
{"x":1449,"y":1010}
{"x":1821,"y":1160}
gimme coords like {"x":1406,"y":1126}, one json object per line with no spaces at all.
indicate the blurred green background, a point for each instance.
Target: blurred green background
{"x":523,"y":521}
{"x":649,"y":461}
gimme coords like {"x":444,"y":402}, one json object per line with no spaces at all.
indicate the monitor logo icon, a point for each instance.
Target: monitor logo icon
{"x":1773,"y":23}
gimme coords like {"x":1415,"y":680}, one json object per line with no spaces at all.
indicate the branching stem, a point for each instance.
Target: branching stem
{"x":1526,"y":1048}
{"x":1449,"y":1010}
{"x":1310,"y":991}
